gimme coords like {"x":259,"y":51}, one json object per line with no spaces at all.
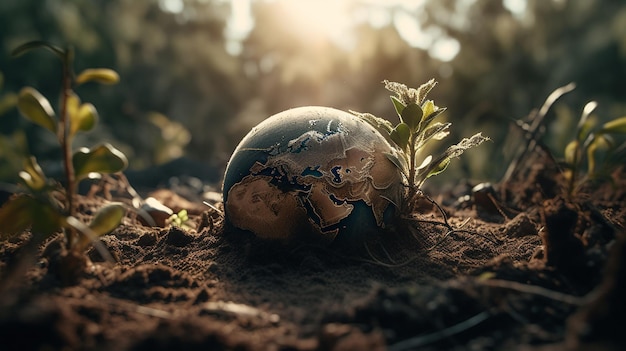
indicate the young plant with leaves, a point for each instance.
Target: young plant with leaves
{"x":596,"y":146}
{"x":45,"y":206}
{"x":416,"y":129}
{"x":180,"y":219}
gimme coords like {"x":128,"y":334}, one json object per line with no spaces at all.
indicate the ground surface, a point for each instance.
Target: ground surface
{"x":529,"y":272}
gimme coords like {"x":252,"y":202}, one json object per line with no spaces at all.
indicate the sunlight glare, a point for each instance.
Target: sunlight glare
{"x":517,"y":7}
{"x":410,"y":30}
{"x":318,"y":19}
{"x":322,"y":21}
{"x":239,"y":25}
{"x":172,"y":6}
{"x":445,"y":49}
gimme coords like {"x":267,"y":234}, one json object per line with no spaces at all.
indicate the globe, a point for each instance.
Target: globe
{"x":312,"y":173}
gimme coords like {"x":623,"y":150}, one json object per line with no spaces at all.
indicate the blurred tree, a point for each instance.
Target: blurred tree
{"x":173,"y":59}
{"x":510,"y":62}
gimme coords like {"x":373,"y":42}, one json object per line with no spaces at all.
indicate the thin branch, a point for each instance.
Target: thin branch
{"x":213,"y":208}
{"x":534,"y":132}
{"x":422,"y":340}
{"x":534,"y":290}
{"x":66,"y":147}
{"x":443,"y":214}
{"x":136,"y":308}
{"x":378,"y":262}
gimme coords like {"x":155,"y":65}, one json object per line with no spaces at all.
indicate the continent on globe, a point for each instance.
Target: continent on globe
{"x":314,"y":172}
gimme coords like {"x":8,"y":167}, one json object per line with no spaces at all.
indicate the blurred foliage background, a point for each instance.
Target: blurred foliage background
{"x":198,"y":74}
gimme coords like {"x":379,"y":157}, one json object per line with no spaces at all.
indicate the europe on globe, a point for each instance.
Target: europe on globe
{"x":313,"y":173}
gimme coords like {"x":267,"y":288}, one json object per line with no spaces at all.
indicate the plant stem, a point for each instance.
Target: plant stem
{"x":66,"y":145}
{"x":573,"y":174}
{"x":412,"y":154}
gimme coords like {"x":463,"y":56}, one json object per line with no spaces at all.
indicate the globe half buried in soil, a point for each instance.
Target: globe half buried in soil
{"x":312,"y":172}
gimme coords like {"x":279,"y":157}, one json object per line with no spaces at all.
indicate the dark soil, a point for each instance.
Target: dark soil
{"x":523,"y":269}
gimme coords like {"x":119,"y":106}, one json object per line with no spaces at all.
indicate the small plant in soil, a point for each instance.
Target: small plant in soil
{"x":417,"y":129}
{"x":180,"y":219}
{"x":44,"y":205}
{"x":594,"y":152}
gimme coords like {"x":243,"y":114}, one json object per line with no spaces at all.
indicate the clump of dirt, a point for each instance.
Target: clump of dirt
{"x":527,"y":271}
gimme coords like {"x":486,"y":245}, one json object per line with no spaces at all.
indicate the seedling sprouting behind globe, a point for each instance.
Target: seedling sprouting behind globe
{"x":312,"y":172}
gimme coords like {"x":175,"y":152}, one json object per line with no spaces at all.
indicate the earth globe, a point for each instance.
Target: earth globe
{"x":312,"y":173}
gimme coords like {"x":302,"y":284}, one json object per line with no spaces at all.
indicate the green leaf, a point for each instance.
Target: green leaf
{"x":86,"y":238}
{"x":429,"y":107}
{"x":33,"y":176}
{"x":596,"y":151}
{"x":425,"y":162}
{"x":412,"y":116}
{"x":107,"y":218}
{"x":424,"y":89}
{"x":400,"y":89}
{"x":398,"y":105}
{"x":433,"y":168}
{"x":36,"y":108}
{"x":400,"y":135}
{"x":16,"y":216}
{"x":617,"y":125}
{"x":72,"y":104}
{"x":100,"y":75}
{"x":47,"y":219}
{"x":437,"y":131}
{"x":36,"y":45}
{"x":381,"y":124}
{"x":441,"y":162}
{"x":183,"y":215}
{"x":399,"y":162}
{"x":585,"y":125}
{"x":429,"y":118}
{"x":571,"y":153}
{"x":179,"y":219}
{"x":83,"y":119}
{"x":101,"y":159}
{"x":438,"y":169}
{"x":24,"y":211}
{"x":72,"y":107}
{"x":584,"y":131}
{"x":466,"y":143}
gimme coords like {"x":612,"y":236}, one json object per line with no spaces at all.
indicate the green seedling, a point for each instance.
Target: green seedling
{"x":180,"y":219}
{"x":594,"y":147}
{"x":44,"y":205}
{"x":417,"y":129}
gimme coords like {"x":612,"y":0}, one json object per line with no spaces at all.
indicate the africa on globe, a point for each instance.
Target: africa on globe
{"x":313,"y":173}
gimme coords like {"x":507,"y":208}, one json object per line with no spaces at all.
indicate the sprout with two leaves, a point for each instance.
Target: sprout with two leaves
{"x":416,"y":129}
{"x":598,"y":146}
{"x":44,"y":206}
